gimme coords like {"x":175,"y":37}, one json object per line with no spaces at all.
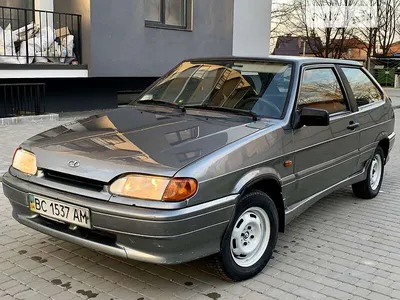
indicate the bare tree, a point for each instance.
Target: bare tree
{"x":320,"y":28}
{"x":280,"y":20}
{"x":387,"y":23}
{"x":368,"y":36}
{"x":330,"y":40}
{"x":367,"y":32}
{"x":280,"y":17}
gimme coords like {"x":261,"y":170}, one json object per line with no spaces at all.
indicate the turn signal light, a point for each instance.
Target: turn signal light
{"x":180,"y":189}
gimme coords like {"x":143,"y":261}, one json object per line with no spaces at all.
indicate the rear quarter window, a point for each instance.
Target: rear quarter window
{"x":364,"y":90}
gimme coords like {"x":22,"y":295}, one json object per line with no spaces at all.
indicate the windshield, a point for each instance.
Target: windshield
{"x":257,"y":87}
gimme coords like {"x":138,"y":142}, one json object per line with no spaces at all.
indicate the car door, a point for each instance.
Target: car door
{"x":373,"y":111}
{"x":326,"y":155}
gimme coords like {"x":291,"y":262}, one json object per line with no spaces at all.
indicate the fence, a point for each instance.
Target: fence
{"x":22,"y":99}
{"x":386,"y":70}
{"x":35,"y":36}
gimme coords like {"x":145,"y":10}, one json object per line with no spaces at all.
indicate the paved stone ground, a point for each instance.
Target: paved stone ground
{"x":394,"y":94}
{"x":341,"y":248}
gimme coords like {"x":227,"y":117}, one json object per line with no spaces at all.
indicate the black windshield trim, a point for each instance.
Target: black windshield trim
{"x":161,"y":103}
{"x":225,"y":109}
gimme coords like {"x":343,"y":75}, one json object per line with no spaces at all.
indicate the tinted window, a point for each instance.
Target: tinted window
{"x":152,"y":10}
{"x":365,"y":92}
{"x":16,"y":18}
{"x":261,"y":87}
{"x":320,"y":89}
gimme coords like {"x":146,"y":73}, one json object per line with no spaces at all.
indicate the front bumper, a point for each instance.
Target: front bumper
{"x":150,"y":235}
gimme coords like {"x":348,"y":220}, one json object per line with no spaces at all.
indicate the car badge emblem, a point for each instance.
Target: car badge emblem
{"x":74,"y":164}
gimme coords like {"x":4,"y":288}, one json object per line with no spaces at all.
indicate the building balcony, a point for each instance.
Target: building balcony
{"x":40,"y":43}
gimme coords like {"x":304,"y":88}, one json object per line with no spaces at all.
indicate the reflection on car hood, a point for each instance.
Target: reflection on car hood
{"x":132,"y":140}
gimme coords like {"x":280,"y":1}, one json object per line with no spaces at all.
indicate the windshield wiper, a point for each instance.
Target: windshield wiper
{"x":162,"y":103}
{"x":225,"y":109}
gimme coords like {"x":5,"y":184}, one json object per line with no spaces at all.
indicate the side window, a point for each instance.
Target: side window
{"x":365,"y":92}
{"x":320,"y":89}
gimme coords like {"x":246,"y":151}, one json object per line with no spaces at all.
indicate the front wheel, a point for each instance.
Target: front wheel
{"x":250,"y":239}
{"x":370,"y":187}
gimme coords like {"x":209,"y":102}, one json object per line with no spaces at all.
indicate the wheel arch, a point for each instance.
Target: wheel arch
{"x":269,"y":184}
{"x":384,"y":144}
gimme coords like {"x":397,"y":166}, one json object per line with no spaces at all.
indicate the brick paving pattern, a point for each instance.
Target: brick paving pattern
{"x":341,"y":248}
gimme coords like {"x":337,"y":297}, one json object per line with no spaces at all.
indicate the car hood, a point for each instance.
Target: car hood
{"x":135,"y":140}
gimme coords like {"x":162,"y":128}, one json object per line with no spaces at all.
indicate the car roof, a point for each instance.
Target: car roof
{"x":300,"y":60}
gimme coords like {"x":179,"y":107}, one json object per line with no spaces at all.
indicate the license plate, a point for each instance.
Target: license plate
{"x":60,"y":211}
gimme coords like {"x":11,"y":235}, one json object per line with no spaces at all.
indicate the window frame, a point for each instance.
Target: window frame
{"x":371,"y":79}
{"x":187,"y":16}
{"x":350,"y":108}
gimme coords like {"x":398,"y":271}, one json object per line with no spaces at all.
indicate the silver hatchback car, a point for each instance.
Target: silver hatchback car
{"x":214,"y":159}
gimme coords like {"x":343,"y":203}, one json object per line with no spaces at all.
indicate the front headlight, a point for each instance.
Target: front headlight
{"x":25,"y":162}
{"x":154,"y":188}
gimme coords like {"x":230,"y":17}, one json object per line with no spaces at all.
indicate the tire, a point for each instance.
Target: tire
{"x":370,"y":187}
{"x":255,"y":226}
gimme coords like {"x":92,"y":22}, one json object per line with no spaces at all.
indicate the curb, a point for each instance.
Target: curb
{"x":28,"y":119}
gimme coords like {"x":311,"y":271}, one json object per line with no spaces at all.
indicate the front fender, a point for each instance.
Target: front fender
{"x":255,"y":175}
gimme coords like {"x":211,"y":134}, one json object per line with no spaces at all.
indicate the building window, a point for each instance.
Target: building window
{"x":17,"y":3}
{"x":10,"y":13}
{"x":169,"y":14}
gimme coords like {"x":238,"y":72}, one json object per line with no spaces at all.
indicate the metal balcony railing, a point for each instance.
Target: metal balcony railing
{"x":39,"y":37}
{"x":22,"y":99}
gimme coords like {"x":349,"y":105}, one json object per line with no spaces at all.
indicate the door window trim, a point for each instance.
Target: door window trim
{"x":350,"y":108}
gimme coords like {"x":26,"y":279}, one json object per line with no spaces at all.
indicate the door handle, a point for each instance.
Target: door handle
{"x":353,"y":125}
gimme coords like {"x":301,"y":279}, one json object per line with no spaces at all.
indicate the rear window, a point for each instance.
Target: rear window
{"x":364,"y":90}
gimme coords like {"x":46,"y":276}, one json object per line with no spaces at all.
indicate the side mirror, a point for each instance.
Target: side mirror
{"x":314,"y":117}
